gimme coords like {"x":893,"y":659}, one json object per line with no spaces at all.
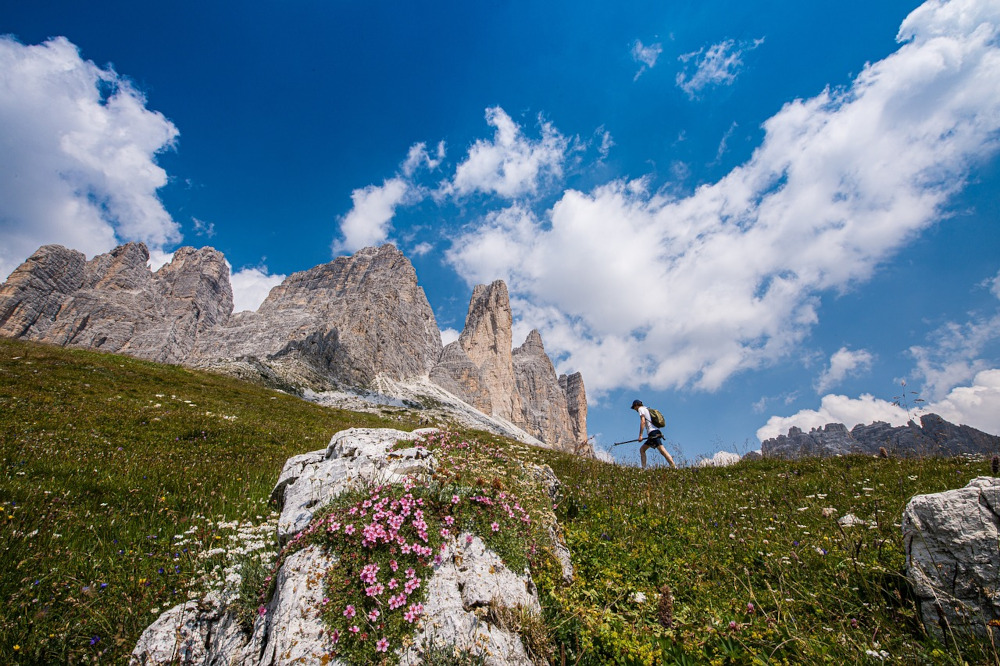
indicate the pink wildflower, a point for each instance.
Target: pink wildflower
{"x":373,"y":614}
{"x":354,"y":629}
{"x":495,"y":526}
{"x":348,"y":529}
{"x":382,"y":645}
{"x":349,"y":612}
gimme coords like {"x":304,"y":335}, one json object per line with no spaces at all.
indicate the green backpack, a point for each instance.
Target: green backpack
{"x":657,"y":418}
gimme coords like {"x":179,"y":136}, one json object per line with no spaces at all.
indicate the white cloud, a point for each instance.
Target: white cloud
{"x":418,"y":157}
{"x":724,"y":143}
{"x":511,"y":165}
{"x":720,"y":459}
{"x":645,"y":55}
{"x":368,"y":222}
{"x":953,"y":354}
{"x":719,"y":64}
{"x":976,"y":405}
{"x":78,"y":150}
{"x":251,"y":286}
{"x":837,"y":409}
{"x":203,"y":228}
{"x":634,"y":287}
{"x":994,"y":285}
{"x":158,"y":258}
{"x":952,"y":357}
{"x":420,"y":249}
{"x":843,"y":363}
{"x":606,"y":142}
{"x":449,"y":335}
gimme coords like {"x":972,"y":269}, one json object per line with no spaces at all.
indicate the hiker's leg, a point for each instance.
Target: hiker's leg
{"x":663,"y":450}
{"x":642,"y":455}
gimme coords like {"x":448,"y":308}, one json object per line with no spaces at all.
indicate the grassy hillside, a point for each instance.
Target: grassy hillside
{"x":105,"y":460}
{"x":120,"y":476}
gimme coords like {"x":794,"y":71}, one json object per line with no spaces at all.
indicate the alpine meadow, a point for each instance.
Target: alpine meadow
{"x":130,"y":486}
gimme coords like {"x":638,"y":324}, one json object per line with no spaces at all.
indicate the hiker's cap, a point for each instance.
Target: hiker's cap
{"x":636,"y":403}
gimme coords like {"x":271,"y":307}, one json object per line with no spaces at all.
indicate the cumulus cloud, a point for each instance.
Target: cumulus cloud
{"x":645,"y":55}
{"x":976,"y":405}
{"x":251,"y":286}
{"x":843,"y":363}
{"x":716,"y":65}
{"x":837,"y":409}
{"x":637,"y":287}
{"x":511,"y":164}
{"x":953,"y":355}
{"x":79,"y":154}
{"x":369,"y":220}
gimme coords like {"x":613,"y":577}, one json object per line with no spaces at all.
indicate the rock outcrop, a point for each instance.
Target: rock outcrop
{"x":467,"y":579}
{"x":933,"y":437}
{"x":352,"y":321}
{"x":115,"y":303}
{"x":359,"y":323}
{"x":519,"y":386}
{"x":952,"y":558}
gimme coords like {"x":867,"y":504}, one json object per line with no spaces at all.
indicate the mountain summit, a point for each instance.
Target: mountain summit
{"x":360,"y":324}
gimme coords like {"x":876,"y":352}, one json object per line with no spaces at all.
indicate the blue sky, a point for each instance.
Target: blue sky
{"x":749,"y":215}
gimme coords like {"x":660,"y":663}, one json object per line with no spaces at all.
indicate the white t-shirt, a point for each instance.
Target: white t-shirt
{"x":644,"y":411}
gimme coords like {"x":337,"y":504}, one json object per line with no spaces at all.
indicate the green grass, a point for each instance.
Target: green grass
{"x":756,"y":573}
{"x":118,"y":477}
{"x":104,"y":460}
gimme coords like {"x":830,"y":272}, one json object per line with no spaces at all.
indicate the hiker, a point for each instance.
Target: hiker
{"x":654,"y":438}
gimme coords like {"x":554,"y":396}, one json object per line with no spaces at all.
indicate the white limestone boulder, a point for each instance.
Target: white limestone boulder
{"x":952,"y":558}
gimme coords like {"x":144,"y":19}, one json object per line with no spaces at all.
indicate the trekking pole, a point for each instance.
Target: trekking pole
{"x":627,"y":441}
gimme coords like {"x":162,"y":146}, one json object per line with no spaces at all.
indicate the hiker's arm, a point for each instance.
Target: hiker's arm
{"x":642,"y":425}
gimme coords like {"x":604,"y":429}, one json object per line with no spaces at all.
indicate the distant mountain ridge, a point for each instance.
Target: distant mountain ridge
{"x":932,"y":437}
{"x":360,"y":323}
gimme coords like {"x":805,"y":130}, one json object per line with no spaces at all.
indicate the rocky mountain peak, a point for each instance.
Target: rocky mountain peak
{"x":357,"y":322}
{"x":519,"y":385}
{"x":932,"y":436}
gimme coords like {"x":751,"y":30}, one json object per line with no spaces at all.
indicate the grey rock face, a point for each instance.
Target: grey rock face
{"x":457,"y":374}
{"x":358,"y":322}
{"x":519,"y":385}
{"x":115,"y":303}
{"x":487,"y":342}
{"x":952,"y":558}
{"x":468,"y":579}
{"x":308,"y":482}
{"x":576,"y":402}
{"x":933,"y":437}
{"x":544,"y":409}
{"x":350,"y":321}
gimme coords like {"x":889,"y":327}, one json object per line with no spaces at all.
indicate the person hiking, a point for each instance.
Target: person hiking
{"x":654,"y":438}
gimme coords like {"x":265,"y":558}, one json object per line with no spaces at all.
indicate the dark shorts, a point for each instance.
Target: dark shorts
{"x":654,"y":439}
